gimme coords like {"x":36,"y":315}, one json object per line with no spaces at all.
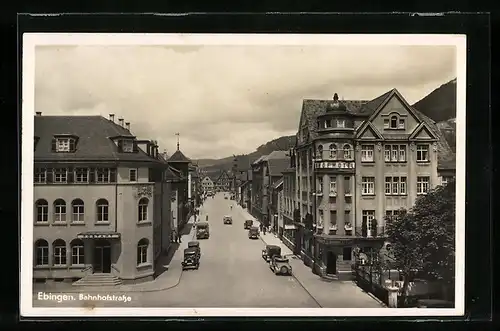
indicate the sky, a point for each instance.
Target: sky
{"x":226,"y":100}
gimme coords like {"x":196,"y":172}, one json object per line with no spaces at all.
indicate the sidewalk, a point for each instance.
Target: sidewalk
{"x":168,"y":279}
{"x":329,"y":294}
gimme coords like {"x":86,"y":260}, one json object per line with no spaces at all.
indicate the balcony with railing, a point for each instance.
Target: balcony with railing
{"x":379,"y":233}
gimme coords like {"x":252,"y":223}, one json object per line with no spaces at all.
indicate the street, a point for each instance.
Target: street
{"x":233,"y":274}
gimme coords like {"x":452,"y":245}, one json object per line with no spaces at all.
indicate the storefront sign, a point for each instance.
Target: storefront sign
{"x":334,"y":165}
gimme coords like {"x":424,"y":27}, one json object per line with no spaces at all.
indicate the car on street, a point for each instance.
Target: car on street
{"x":202,"y":230}
{"x":270,"y":251}
{"x":248,"y":224}
{"x":227,"y":219}
{"x":195,"y":245}
{"x":280,"y":265}
{"x":191,"y":259}
{"x":253,"y":232}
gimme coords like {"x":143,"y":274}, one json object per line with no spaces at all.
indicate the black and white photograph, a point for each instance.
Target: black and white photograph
{"x":243,"y":175}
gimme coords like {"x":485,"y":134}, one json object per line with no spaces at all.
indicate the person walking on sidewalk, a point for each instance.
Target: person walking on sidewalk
{"x":264,"y":228}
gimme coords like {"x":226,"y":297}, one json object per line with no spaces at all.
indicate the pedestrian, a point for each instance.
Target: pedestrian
{"x":264,"y":228}
{"x":178,"y":237}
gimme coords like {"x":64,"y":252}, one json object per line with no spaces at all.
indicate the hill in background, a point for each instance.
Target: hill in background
{"x":439,"y":105}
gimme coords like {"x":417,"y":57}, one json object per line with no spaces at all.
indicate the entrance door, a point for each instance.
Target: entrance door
{"x":331,"y":263}
{"x":102,"y":257}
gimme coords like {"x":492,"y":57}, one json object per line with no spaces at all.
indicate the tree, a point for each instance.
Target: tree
{"x":423,"y":239}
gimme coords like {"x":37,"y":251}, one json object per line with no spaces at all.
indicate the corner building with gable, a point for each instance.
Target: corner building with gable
{"x":355,"y":163}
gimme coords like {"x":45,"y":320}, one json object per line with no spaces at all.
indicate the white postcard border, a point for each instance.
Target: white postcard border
{"x":31,"y":40}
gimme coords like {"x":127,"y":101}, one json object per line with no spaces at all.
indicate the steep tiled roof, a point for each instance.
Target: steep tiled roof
{"x":275,"y":155}
{"x":93,"y":134}
{"x":178,"y":157}
{"x":259,"y":160}
{"x":277,"y":166}
{"x":172,"y":174}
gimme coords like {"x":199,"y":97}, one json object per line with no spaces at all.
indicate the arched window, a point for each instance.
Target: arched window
{"x":102,"y":210}
{"x":333,"y":151}
{"x":142,"y":251}
{"x":394,"y":122}
{"x":347,"y":152}
{"x":320,"y":151}
{"x":60,"y":211}
{"x":78,"y":209}
{"x":42,"y":211}
{"x":77,"y":252}
{"x":143,"y":210}
{"x":41,"y":252}
{"x":59,"y":249}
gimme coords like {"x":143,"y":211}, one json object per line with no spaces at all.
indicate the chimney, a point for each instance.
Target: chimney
{"x":112,"y":117}
{"x":120,"y":121}
{"x":127,"y":126}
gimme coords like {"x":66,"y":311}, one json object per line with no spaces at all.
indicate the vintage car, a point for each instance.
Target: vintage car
{"x":227,"y":219}
{"x":248,"y":224}
{"x":196,"y":246}
{"x":280,"y":265}
{"x":253,"y":232}
{"x":225,"y":197}
{"x":191,"y":259}
{"x":202,"y":230}
{"x":270,"y":251}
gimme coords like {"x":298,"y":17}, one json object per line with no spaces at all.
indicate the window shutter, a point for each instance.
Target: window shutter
{"x":72,"y":145}
{"x":92,"y":175}
{"x":50,"y":175}
{"x":112,"y":175}
{"x":120,"y":146}
{"x":70,"y":174}
{"x":135,"y":147}
{"x":54,"y":145}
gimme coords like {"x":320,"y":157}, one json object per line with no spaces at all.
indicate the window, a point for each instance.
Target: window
{"x":127,"y":146}
{"x":388,"y":185}
{"x":143,"y":210}
{"x":42,"y":211}
{"x":402,"y":186}
{"x":333,"y":217}
{"x":40,"y":175}
{"x":367,"y":153}
{"x":391,"y":213}
{"x":402,"y":153}
{"x":394,"y":122}
{"x":60,"y":175}
{"x":422,"y":184}
{"x":347,"y":217}
{"x":102,"y":175}
{"x":340,"y":124}
{"x":422,"y":153}
{"x":328,"y":124}
{"x":59,"y":252}
{"x":77,"y":252}
{"x":102,"y":210}
{"x":142,"y":251}
{"x":81,"y":175}
{"x":78,"y":211}
{"x":401,"y":123}
{"x":333,"y":151}
{"x":347,"y":152}
{"x":320,"y":151}
{"x":321,"y":218}
{"x":347,"y":254}
{"x":62,"y":145}
{"x":320,"y":185}
{"x":395,"y":153}
{"x":60,"y":211}
{"x":41,"y":253}
{"x":395,"y":185}
{"x":347,"y":185}
{"x":386,"y":123}
{"x":333,"y":185}
{"x":132,"y":175}
{"x":368,"y":217}
{"x":446,"y":179}
{"x":368,"y":185}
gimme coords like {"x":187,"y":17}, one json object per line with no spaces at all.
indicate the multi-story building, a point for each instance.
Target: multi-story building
{"x":207,"y":185}
{"x":101,"y":200}
{"x":276,"y":206}
{"x":180,"y":164}
{"x":223,"y":182}
{"x":246,"y":190}
{"x":356,"y":163}
{"x":276,"y":166}
{"x":289,"y":197}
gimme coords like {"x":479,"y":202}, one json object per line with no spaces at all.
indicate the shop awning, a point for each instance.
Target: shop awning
{"x":98,"y":235}
{"x":290,"y":227}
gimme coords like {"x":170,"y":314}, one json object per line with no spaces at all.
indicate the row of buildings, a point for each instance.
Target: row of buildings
{"x":105,"y":201}
{"x":355,"y":163}
{"x":221,"y":182}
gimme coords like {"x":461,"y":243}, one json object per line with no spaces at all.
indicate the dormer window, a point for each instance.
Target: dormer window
{"x":328,"y":123}
{"x":127,"y":146}
{"x":64,"y":144}
{"x":347,"y":152}
{"x":340,"y":124}
{"x":401,"y":123}
{"x":394,"y":122}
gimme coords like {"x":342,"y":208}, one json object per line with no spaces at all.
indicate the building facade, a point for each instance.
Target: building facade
{"x":207,"y":185}
{"x":101,"y":200}
{"x":223,"y":182}
{"x":357,"y":162}
{"x":181,"y":165}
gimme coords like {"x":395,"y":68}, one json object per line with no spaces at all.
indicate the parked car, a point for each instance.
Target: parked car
{"x":280,"y":265}
{"x":253,"y":232}
{"x":270,"y":251}
{"x":191,"y":259}
{"x":248,"y":224}
{"x":227,"y":219}
{"x":202,"y":230}
{"x":195,"y":245}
